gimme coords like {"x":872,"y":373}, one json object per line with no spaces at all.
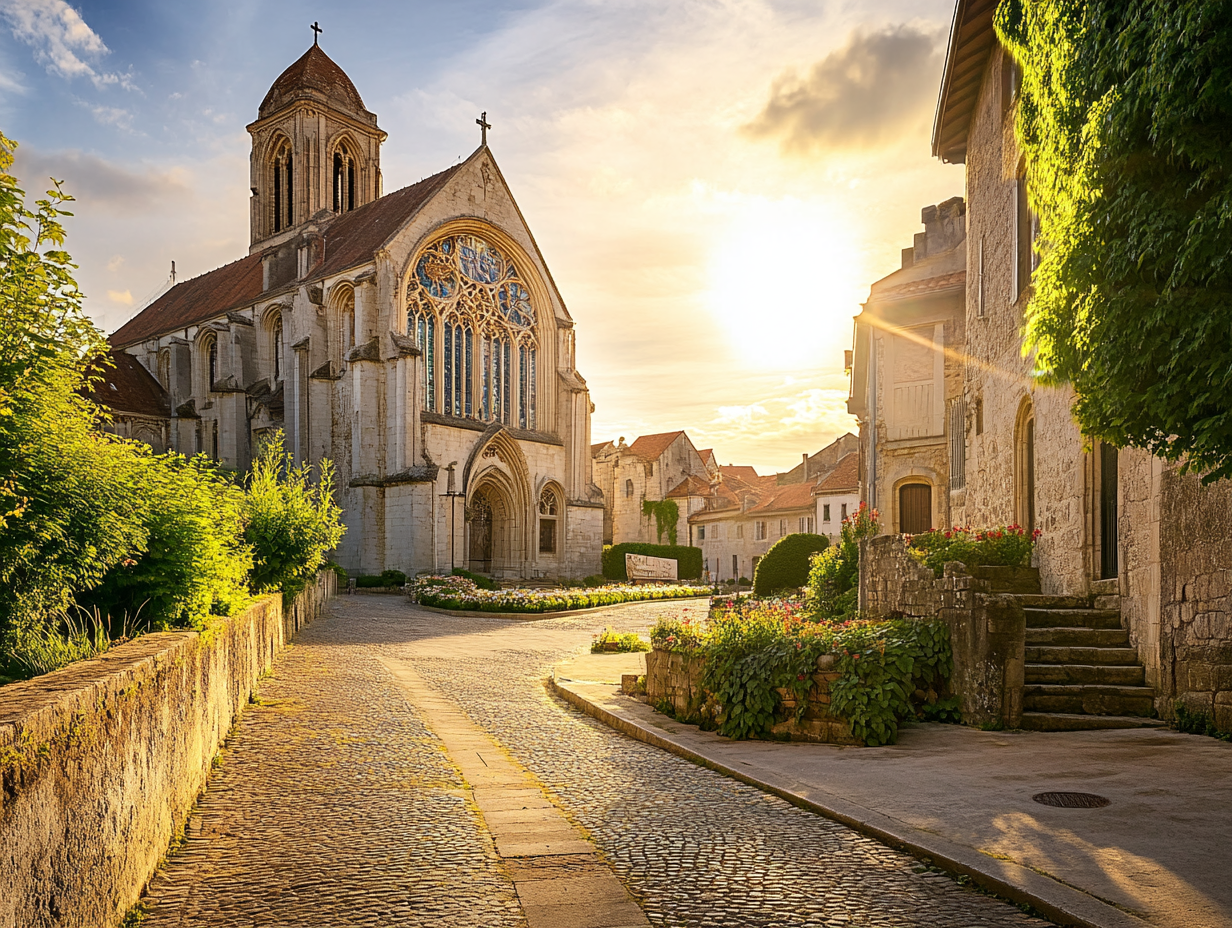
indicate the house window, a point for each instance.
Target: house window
{"x":740,"y":530}
{"x":844,"y":512}
{"x":958,"y":444}
{"x":714,"y":531}
{"x":825,"y":512}
{"x":759,"y":531}
{"x":806,"y":524}
{"x":701,"y":533}
{"x":548,"y":515}
{"x":735,"y":566}
{"x":782,"y":527}
{"x":628,"y":489}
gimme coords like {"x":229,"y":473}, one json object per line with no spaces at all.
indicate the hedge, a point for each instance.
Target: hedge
{"x":786,"y":564}
{"x":688,"y":559}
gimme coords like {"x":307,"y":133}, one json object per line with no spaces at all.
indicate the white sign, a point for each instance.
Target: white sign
{"x":644,"y":567}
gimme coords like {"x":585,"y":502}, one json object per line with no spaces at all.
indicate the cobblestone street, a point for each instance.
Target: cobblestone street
{"x":337,"y":803}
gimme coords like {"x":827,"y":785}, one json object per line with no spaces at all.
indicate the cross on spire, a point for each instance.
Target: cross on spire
{"x":484,"y":126}
{"x":316,"y":32}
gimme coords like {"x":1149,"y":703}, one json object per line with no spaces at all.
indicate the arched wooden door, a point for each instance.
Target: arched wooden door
{"x":915,"y":508}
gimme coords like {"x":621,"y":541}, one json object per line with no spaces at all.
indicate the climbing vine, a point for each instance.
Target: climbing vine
{"x":666,"y":515}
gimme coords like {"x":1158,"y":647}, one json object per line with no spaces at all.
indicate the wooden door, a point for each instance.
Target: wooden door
{"x":915,"y":508}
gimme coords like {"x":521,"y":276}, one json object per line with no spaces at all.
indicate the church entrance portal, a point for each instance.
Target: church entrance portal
{"x":481,"y":534}
{"x":493,"y":531}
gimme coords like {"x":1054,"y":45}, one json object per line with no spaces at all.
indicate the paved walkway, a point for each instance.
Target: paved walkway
{"x":370,"y":786}
{"x":1159,"y":850}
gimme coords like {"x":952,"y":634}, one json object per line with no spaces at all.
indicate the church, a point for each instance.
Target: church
{"x":415,"y":339}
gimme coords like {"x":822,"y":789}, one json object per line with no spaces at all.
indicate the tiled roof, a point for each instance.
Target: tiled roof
{"x":649,"y":447}
{"x":691,"y":485}
{"x":595,"y":449}
{"x":354,"y":237}
{"x":743,"y":471}
{"x":845,"y":476}
{"x":351,"y":239}
{"x":792,"y":496}
{"x":129,"y":387}
{"x":314,"y":73}
{"x":954,"y":281}
{"x":972,"y":39}
{"x":196,"y":300}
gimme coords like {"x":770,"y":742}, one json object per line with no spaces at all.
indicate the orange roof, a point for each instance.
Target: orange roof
{"x":352,"y":238}
{"x":791,"y":496}
{"x":691,"y":485}
{"x":954,"y":281}
{"x":129,"y":388}
{"x":313,"y":76}
{"x":650,"y":447}
{"x":743,"y":471}
{"x":845,"y":476}
{"x":595,"y":449}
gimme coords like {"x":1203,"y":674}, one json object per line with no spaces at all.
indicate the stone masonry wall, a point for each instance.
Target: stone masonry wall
{"x":987,"y":630}
{"x":677,"y":679}
{"x":101,"y":761}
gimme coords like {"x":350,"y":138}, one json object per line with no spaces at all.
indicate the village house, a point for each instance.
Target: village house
{"x":1152,"y":546}
{"x":414,"y":338}
{"x":907,"y":377}
{"x":647,"y":470}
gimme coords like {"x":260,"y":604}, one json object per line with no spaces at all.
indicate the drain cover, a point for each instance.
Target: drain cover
{"x":1071,"y":800}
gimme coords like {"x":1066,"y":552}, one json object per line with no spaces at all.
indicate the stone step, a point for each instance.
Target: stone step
{"x":1107,"y":602}
{"x":1110,"y":587}
{"x":1008,"y":579}
{"x":1072,"y":618}
{"x":1062,"y":654}
{"x":1079,"y":637}
{"x":1087,"y":674}
{"x":1063,"y":721}
{"x":1044,"y":601}
{"x":1089,"y":700}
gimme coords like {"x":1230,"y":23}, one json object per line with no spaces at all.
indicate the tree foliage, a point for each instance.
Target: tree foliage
{"x":1125,"y":119}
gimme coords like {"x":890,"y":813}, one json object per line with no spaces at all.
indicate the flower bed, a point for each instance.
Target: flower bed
{"x":1006,"y":546}
{"x":462,"y":594}
{"x":769,"y":662}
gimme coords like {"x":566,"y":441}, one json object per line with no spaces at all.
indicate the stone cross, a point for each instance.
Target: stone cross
{"x":484,"y":126}
{"x":316,"y":32}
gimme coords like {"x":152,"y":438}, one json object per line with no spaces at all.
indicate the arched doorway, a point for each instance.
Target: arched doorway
{"x":494,"y":528}
{"x":479,"y":522}
{"x":1024,"y":466}
{"x":915,"y":508}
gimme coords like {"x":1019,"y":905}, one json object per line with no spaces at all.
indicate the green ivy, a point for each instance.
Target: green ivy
{"x":666,"y":515}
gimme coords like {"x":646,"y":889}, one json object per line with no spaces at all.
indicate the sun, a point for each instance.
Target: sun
{"x":785,"y":280}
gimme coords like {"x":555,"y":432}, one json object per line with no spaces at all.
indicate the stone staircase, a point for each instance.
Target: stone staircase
{"x":1081,"y":671}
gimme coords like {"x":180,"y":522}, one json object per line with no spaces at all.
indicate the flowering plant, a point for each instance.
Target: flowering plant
{"x":462,"y":593}
{"x":1004,"y":546}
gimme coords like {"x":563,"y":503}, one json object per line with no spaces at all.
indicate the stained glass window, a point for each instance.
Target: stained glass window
{"x":477,"y":293}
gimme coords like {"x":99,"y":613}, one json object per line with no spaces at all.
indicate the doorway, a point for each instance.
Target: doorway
{"x":480,"y":518}
{"x":1108,"y":567}
{"x":915,"y":508}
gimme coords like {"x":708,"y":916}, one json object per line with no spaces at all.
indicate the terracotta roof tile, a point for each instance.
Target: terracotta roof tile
{"x":313,"y":73}
{"x":743,"y":471}
{"x":845,"y":476}
{"x":129,"y":387}
{"x":691,"y":485}
{"x":649,"y":447}
{"x":196,"y":300}
{"x":351,"y":239}
{"x":955,"y":281}
{"x":791,"y":496}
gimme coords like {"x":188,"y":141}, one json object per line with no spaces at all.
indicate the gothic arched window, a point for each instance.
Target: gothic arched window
{"x":548,"y":514}
{"x":474,"y":295}
{"x":344,"y":179}
{"x":211,"y":366}
{"x":276,"y":348}
{"x":284,"y":188}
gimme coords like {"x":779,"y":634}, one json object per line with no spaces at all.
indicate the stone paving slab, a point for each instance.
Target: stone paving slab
{"x":963,"y":796}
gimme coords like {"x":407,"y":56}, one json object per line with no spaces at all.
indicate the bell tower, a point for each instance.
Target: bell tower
{"x":314,"y":147}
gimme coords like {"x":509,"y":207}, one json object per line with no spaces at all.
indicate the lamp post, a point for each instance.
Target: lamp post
{"x":452,"y":495}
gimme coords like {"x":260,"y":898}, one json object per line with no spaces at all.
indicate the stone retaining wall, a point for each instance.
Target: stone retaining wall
{"x":677,"y":679}
{"x":987,"y":629}
{"x":101,"y":761}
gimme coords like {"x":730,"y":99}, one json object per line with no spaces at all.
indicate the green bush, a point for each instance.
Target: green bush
{"x":340,"y":572}
{"x":290,"y":524}
{"x":484,"y":583}
{"x":688,"y":559}
{"x":369,"y":581}
{"x":832,"y":588}
{"x":393,"y":578}
{"x":594,"y":580}
{"x":612,"y":641}
{"x":193,"y":561}
{"x":786,"y":565}
{"x":1010,"y":546}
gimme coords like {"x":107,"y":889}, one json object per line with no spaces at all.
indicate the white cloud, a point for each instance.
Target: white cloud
{"x":112,"y":116}
{"x":123,"y":297}
{"x":62,"y":41}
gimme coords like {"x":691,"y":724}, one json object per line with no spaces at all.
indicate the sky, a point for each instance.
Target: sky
{"x":713,"y":183}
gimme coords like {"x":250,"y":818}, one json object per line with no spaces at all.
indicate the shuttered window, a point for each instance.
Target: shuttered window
{"x":958,"y":444}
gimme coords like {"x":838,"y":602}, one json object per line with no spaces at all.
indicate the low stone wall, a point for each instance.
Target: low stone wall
{"x":101,"y":762}
{"x":676,"y":678}
{"x":987,"y":629}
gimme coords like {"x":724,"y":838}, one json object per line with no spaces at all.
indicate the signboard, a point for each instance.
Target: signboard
{"x":643,"y":567}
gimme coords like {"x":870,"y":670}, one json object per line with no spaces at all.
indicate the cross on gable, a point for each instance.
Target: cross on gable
{"x":316,"y":32}
{"x":484,"y":126}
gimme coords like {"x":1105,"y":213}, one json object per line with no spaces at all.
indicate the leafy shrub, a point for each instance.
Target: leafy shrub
{"x":670,"y":634}
{"x":461,"y":593}
{"x":369,"y":581}
{"x":393,"y":578}
{"x":291,"y":524}
{"x":594,"y":580}
{"x":832,"y":588}
{"x":688,"y":559}
{"x":340,"y":572}
{"x":72,"y":635}
{"x":786,"y":565}
{"x":193,"y":561}
{"x":484,"y":583}
{"x":611,"y":641}
{"x":1008,"y":546}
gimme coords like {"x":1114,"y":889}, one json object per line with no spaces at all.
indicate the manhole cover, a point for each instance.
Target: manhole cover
{"x":1071,"y":800}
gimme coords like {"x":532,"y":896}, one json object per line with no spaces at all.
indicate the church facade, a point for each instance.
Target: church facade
{"x":415,"y":339}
